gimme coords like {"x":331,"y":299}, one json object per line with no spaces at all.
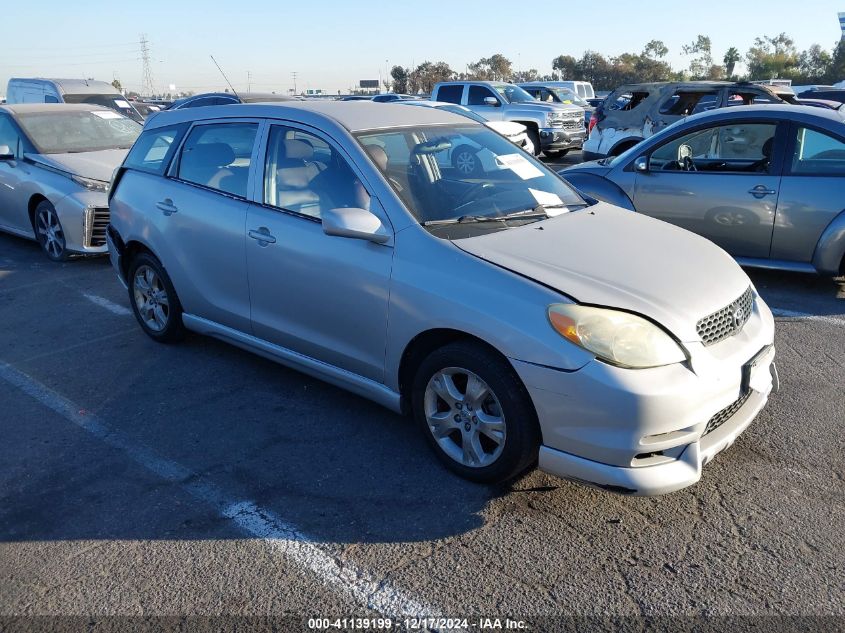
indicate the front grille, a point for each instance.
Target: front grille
{"x":727,"y":321}
{"x":573,"y":125}
{"x":726,"y":414}
{"x":96,"y":221}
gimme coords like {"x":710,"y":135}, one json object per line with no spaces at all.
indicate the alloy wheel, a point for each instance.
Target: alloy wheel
{"x":150,"y":298}
{"x":466,"y":162}
{"x":465,"y":417}
{"x":50,"y":233}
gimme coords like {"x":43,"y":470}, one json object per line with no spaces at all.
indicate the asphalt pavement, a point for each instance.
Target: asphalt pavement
{"x":138,"y":479}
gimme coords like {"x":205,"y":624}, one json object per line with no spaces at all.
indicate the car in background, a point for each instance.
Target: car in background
{"x":515,"y":320}
{"x":226,"y":98}
{"x":830,"y":95}
{"x":634,"y":112}
{"x":471,"y":158}
{"x":56,"y":161}
{"x":356,"y":98}
{"x":553,"y":128}
{"x":583,"y":89}
{"x":821,"y":103}
{"x":89,"y":91}
{"x":146,"y":109}
{"x":765,"y":183}
{"x":390,"y":97}
{"x":550,"y":93}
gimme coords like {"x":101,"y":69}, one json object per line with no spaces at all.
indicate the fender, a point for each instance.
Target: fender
{"x":830,"y":249}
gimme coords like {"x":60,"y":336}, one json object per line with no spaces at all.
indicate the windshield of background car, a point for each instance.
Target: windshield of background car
{"x":59,"y":132}
{"x":451,"y":172}
{"x":565,"y":95}
{"x":513,"y":94}
{"x":116,"y":102}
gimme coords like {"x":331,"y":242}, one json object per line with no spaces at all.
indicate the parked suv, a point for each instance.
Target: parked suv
{"x":634,"y":112}
{"x":518,"y":322}
{"x":553,"y":128}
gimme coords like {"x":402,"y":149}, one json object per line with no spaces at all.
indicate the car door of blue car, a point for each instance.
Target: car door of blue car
{"x":720,"y":181}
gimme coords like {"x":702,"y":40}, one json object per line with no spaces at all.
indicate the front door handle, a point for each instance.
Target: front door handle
{"x":761,"y":190}
{"x":263,"y":236}
{"x":167,"y":207}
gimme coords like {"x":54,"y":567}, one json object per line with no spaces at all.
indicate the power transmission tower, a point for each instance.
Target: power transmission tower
{"x":147,"y":88}
{"x":293,"y":74}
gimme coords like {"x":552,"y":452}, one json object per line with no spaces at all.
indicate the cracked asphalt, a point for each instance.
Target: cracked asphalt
{"x":92,"y":525}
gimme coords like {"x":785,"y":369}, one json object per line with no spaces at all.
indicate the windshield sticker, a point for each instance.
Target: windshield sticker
{"x":107,"y":114}
{"x":120,"y":103}
{"x":519,"y":165}
{"x":554,"y":205}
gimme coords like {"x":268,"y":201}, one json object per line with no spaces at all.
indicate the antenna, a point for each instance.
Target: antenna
{"x":235,"y":92}
{"x":147,"y":76}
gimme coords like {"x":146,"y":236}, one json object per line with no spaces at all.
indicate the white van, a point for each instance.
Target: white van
{"x":583,"y":89}
{"x":38,"y":90}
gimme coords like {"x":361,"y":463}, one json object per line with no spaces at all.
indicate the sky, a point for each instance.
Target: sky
{"x":331,"y":44}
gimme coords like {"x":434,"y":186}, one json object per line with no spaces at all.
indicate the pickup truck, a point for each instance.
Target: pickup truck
{"x":553,"y":129}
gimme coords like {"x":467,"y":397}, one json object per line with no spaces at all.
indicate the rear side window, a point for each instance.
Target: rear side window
{"x":450,"y":94}
{"x":154,"y":149}
{"x":218,"y":156}
{"x":685,"y":103}
{"x":582,"y":90}
{"x":50,"y":99}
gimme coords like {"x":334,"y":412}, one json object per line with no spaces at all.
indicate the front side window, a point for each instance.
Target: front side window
{"x":305,"y":175}
{"x":738,"y":147}
{"x":60,"y":132}
{"x":154,"y":149}
{"x":8,"y":135}
{"x":477,"y":94}
{"x":818,"y":154}
{"x":420,"y":165}
{"x":513,"y":94}
{"x":218,"y":156}
{"x":450,"y":94}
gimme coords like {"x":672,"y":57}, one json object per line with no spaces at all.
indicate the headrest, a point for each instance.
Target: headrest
{"x":292,"y":173}
{"x":213,"y":154}
{"x":295,"y":148}
{"x":378,"y":155}
{"x":767,"y":147}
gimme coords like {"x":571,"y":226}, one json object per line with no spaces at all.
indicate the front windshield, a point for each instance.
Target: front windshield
{"x":456,"y":174}
{"x":116,"y":102}
{"x":513,"y":94}
{"x":59,"y":132}
{"x":565,"y":95}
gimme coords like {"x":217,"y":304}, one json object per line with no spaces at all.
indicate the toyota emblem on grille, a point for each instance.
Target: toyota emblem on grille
{"x":738,"y":315}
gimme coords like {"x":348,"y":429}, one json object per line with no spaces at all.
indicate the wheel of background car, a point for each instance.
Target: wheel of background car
{"x":534,"y":137}
{"x":154,"y":299}
{"x":49,"y":232}
{"x":465,"y":160}
{"x":475,"y":412}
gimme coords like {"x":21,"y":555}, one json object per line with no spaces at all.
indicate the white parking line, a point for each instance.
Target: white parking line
{"x":345,"y":578}
{"x":792,"y":314}
{"x":108,"y":305}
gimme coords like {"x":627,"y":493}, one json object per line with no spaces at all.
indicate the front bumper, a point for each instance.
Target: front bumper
{"x":650,"y":431}
{"x":84,"y":216}
{"x":116,"y":248}
{"x":554,"y":138}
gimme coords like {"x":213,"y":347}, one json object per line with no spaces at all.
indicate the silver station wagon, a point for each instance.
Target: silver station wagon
{"x":517,"y":321}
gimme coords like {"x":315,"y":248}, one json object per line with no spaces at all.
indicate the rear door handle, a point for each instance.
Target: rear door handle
{"x":761,"y":190}
{"x":262,"y":235}
{"x":167,"y":207}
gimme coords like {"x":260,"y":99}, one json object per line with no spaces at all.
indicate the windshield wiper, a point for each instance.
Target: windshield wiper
{"x":528,"y":214}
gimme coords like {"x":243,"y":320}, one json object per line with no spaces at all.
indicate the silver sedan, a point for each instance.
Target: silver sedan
{"x":518,"y":322}
{"x":56,"y":161}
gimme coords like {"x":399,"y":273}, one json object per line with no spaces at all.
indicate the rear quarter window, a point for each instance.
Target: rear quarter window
{"x":153,"y":149}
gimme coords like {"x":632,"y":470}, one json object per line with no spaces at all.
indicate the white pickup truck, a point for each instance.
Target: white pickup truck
{"x":553,"y":129}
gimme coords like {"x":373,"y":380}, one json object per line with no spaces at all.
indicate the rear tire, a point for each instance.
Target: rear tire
{"x":154,"y":301}
{"x":475,"y":412}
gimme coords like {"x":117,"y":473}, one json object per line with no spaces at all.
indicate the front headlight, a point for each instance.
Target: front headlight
{"x":90,"y":184}
{"x":553,"y":117}
{"x":616,"y":337}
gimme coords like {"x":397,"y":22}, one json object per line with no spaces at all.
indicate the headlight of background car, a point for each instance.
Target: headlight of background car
{"x":90,"y":184}
{"x":616,"y":337}
{"x":553,"y":117}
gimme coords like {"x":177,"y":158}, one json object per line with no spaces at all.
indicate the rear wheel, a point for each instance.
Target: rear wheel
{"x":475,"y":413}
{"x":154,"y":300}
{"x":49,"y":232}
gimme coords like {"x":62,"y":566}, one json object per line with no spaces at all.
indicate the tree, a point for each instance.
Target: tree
{"x":424,"y":76}
{"x":565,"y":66}
{"x":526,"y":75}
{"x":814,"y":64}
{"x":116,"y":83}
{"x":497,"y":67}
{"x":836,"y":69}
{"x":730,"y":59}
{"x":772,"y":57}
{"x":702,"y":61}
{"x":400,"y":79}
{"x":655,"y":49}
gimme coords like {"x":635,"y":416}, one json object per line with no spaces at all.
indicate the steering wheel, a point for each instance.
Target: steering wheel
{"x":467,"y":196}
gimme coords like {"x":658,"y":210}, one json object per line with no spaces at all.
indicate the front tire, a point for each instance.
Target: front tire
{"x":475,"y":412}
{"x":49,"y":232}
{"x":154,"y":300}
{"x":465,"y":160}
{"x":534,"y":137}
{"x":555,"y":154}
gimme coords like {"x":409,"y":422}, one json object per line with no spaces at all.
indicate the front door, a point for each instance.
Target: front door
{"x":721,"y":182}
{"x":323,"y":296}
{"x":13,"y":209}
{"x":476,"y":96}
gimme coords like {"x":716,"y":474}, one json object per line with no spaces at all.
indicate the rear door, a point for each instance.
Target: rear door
{"x":812,"y":191}
{"x":720,"y":181}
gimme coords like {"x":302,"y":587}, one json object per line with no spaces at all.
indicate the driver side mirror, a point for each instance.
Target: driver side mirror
{"x":6,"y":153}
{"x":491,"y":101}
{"x":641,"y":164}
{"x":355,"y":223}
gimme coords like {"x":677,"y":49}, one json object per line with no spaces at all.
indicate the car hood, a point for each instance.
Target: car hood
{"x":506,"y":128}
{"x":607,"y":256}
{"x":98,"y":165}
